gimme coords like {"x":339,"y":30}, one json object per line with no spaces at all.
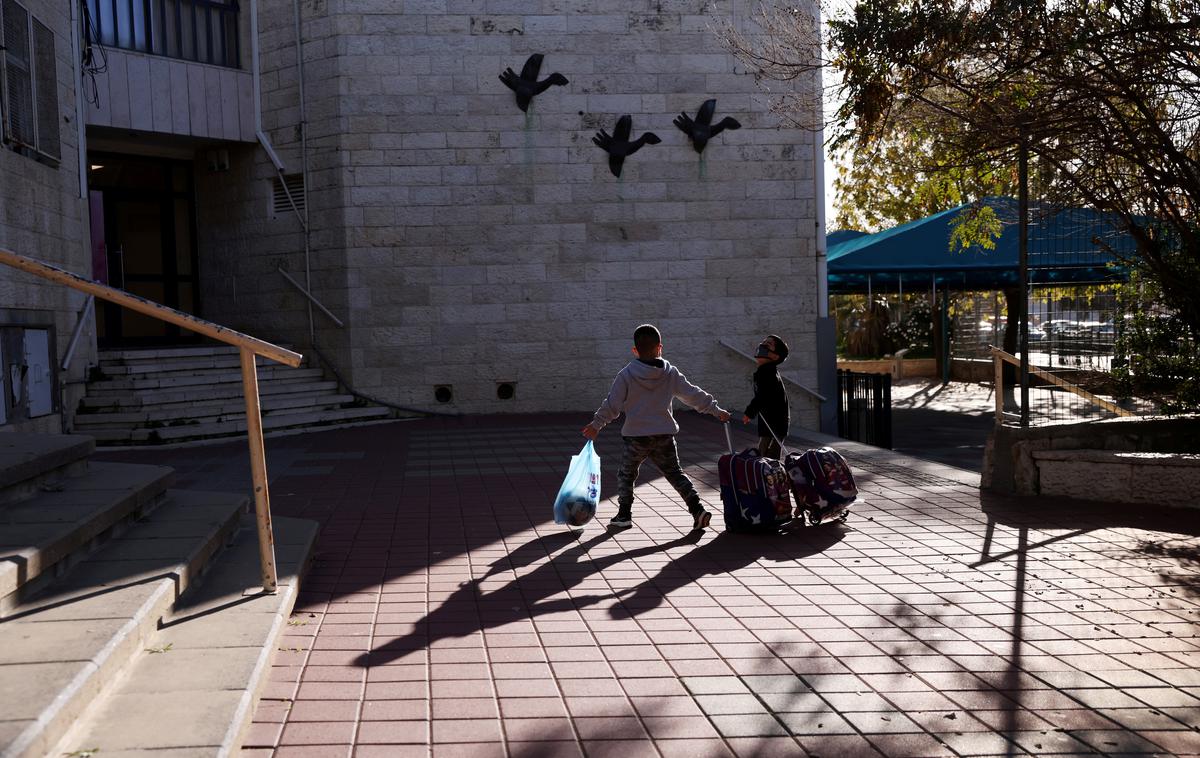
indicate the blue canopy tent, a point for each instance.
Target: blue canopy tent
{"x":1072,"y":246}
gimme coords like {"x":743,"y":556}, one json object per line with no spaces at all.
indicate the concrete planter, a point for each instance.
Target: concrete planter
{"x":1128,"y":460}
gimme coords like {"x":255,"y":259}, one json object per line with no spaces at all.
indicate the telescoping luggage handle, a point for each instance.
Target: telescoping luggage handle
{"x":729,"y":439}
{"x":782,"y":447}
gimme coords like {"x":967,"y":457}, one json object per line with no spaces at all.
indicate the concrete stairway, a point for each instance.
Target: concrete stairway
{"x":130,"y":620}
{"x":142,"y":397}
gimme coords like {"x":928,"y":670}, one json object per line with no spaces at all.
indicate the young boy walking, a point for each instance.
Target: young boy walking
{"x":643,"y":391}
{"x":770,"y":403}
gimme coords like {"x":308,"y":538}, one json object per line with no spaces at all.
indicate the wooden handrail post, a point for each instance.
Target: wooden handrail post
{"x":998,"y":367}
{"x":258,"y":472}
{"x":247,"y":346}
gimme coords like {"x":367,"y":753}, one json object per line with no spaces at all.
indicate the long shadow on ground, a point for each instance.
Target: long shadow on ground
{"x":470,"y":610}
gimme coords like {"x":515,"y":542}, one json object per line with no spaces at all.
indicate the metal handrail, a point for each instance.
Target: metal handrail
{"x":80,"y":320}
{"x":782,"y":375}
{"x":999,"y":357}
{"x":248,"y":347}
{"x":312,"y":298}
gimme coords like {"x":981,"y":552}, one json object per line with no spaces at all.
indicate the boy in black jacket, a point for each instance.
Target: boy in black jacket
{"x":770,"y":403}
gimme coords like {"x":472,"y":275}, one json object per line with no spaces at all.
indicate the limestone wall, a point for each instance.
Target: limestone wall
{"x":43,"y":217}
{"x":466,"y":243}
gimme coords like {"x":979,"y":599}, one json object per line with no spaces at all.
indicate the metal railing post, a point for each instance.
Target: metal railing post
{"x":248,"y":348}
{"x":258,"y":472}
{"x":998,"y":368}
{"x":84,"y":312}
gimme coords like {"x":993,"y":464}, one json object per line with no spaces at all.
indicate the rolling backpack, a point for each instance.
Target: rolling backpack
{"x":822,"y":484}
{"x":755,"y":491}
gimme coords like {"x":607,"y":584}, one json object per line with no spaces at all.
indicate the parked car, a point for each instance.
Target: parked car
{"x":1059,"y":327}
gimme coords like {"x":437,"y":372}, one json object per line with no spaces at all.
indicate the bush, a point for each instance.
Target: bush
{"x":1156,"y":355}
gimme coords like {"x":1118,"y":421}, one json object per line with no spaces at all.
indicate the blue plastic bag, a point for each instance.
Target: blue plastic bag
{"x":580,"y":492}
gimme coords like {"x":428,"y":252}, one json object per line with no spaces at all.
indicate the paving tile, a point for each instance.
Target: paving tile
{"x":748,"y":725}
{"x":765,"y":747}
{"x":397,"y":710}
{"x":393,"y":732}
{"x":695,"y":748}
{"x":313,"y":751}
{"x":620,"y":749}
{"x":837,"y":746}
{"x":546,"y":728}
{"x":391,"y":751}
{"x":466,"y":730}
{"x":467,"y":750}
{"x":323,"y":710}
{"x":609,"y":728}
{"x":318,"y":733}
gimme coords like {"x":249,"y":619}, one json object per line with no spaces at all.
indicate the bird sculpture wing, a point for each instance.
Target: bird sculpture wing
{"x":705,"y":114}
{"x":623,"y":128}
{"x":603,"y":140}
{"x":532,"y":66}
{"x":509,"y":77}
{"x":685,"y":123}
{"x":726,"y":123}
{"x":549,"y":81}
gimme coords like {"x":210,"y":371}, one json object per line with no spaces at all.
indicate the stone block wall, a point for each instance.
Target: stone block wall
{"x":466,"y":243}
{"x":42,"y":216}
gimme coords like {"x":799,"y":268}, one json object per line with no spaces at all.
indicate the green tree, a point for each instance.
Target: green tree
{"x":1105,"y":94}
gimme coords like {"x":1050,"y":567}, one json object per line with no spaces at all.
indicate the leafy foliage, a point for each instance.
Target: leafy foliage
{"x":1156,"y":354}
{"x":1105,"y":94}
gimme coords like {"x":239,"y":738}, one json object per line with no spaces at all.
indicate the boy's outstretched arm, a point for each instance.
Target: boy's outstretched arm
{"x":612,"y":407}
{"x":697,"y":398}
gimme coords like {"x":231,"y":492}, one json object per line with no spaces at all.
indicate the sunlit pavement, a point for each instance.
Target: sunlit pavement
{"x":447,"y":615}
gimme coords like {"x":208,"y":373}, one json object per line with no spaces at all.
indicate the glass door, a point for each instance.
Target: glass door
{"x":148,"y":244}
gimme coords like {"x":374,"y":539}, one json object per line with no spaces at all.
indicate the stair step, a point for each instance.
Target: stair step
{"x":60,"y":650}
{"x":203,"y":688}
{"x":205,"y":411}
{"x":134,"y":354}
{"x":38,"y":534}
{"x":163,"y":365}
{"x":198,"y":419}
{"x":28,"y":461}
{"x":272,"y":422}
{"x":184,"y":398}
{"x":202,"y":378}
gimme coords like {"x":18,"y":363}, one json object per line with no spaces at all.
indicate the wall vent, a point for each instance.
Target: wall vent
{"x":280,"y":188}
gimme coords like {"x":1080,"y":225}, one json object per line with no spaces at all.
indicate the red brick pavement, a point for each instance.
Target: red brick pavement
{"x":447,"y":615}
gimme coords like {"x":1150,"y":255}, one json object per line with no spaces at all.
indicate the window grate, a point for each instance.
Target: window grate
{"x":290,"y":183}
{"x":46,"y":73}
{"x":18,"y":76}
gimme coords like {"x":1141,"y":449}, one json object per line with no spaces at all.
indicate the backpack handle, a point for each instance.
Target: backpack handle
{"x":782,"y":447}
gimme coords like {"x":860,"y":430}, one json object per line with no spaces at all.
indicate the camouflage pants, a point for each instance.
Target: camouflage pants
{"x":660,"y":449}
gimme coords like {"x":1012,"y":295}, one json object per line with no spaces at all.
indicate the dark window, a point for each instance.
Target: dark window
{"x":29,"y":75}
{"x":205,"y":31}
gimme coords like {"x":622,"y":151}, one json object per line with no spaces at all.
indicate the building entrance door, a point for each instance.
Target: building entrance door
{"x":144,"y":242}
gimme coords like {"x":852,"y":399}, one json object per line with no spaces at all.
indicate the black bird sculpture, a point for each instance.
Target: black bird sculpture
{"x":702,"y":129}
{"x":618,"y":145}
{"x":527,"y":85}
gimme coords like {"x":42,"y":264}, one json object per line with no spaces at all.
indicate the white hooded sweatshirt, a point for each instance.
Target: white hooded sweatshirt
{"x":643,"y":392}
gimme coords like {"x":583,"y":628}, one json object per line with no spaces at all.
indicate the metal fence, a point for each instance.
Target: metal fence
{"x":204,"y":31}
{"x":864,"y":408}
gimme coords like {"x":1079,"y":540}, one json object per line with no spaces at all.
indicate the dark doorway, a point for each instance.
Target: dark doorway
{"x":144,"y":242}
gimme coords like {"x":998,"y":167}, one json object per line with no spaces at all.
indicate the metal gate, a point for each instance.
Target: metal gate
{"x":864,"y":408}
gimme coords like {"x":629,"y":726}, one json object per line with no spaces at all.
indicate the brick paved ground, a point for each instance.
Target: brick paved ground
{"x":446,"y":615}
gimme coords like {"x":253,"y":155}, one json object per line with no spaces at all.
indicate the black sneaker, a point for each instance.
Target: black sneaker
{"x":700,"y":520}
{"x":623,"y":520}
